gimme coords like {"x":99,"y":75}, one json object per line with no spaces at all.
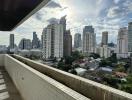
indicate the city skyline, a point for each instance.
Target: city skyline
{"x":107,"y":16}
{"x":66,"y":49}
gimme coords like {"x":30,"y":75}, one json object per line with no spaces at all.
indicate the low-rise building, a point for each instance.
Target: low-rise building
{"x":105,"y":51}
{"x":106,"y":70}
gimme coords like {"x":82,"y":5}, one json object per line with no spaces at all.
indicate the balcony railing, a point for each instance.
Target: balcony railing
{"x":34,"y":85}
{"x":88,"y":88}
{"x":36,"y":81}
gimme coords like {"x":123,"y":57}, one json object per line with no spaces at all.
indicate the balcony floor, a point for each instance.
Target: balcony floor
{"x":8,"y":90}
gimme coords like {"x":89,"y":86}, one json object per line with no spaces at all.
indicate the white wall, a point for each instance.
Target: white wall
{"x":1,"y":60}
{"x":33,"y":85}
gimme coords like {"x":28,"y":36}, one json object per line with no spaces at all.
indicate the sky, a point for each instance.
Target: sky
{"x":103,"y":15}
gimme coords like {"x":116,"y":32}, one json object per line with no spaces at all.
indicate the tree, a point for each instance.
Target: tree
{"x":63,"y":66}
{"x":111,"y":80}
{"x":73,"y":71}
{"x":126,"y":66}
{"x":69,"y":60}
{"x":54,"y":59}
{"x":94,"y":55}
{"x":76,"y":66}
{"x":120,"y":68}
{"x":113,"y":58}
{"x":129,"y":78}
{"x":77,"y":55}
{"x":61,"y":59}
{"x":103,"y":63}
{"x":127,"y":86}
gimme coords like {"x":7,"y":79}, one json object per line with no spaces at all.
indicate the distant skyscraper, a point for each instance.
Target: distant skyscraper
{"x":41,"y":45}
{"x":104,"y":38}
{"x":12,"y":41}
{"x":89,"y":40}
{"x":77,"y":40}
{"x":63,"y":22}
{"x":89,"y":29}
{"x":21,"y":44}
{"x":35,"y":41}
{"x":130,"y":37}
{"x":68,"y":43}
{"x":25,"y":44}
{"x":122,"y":43}
{"x":53,"y":41}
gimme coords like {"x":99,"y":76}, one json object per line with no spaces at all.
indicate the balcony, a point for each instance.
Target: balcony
{"x":8,"y":90}
{"x":35,"y":81}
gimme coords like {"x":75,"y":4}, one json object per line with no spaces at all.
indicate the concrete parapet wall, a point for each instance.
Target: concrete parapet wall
{"x":90,"y":89}
{"x":2,"y":60}
{"x":34,"y":85}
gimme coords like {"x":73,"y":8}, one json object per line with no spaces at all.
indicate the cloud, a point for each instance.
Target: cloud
{"x":53,"y":4}
{"x":46,"y":13}
{"x":115,"y":11}
{"x":39,"y":16}
{"x":128,"y":5}
{"x":116,"y":1}
{"x":53,"y":20}
{"x":108,"y":15}
{"x":64,"y":8}
{"x":99,"y":2}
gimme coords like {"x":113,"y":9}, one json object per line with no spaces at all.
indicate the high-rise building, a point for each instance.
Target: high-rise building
{"x":104,"y":38}
{"x":130,"y":43}
{"x":41,"y":44}
{"x":21,"y":44}
{"x":25,"y":44}
{"x":63,"y":22}
{"x":77,"y":40}
{"x":46,"y":51}
{"x":89,"y":40}
{"x":53,"y":41}
{"x":67,"y":44}
{"x":12,"y":44}
{"x":35,"y":41}
{"x":122,"y":43}
{"x":130,"y":37}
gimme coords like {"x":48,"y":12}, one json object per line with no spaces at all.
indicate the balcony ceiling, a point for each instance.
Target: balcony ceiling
{"x":15,"y":12}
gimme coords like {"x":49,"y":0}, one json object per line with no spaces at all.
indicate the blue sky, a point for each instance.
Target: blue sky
{"x":104,"y":15}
